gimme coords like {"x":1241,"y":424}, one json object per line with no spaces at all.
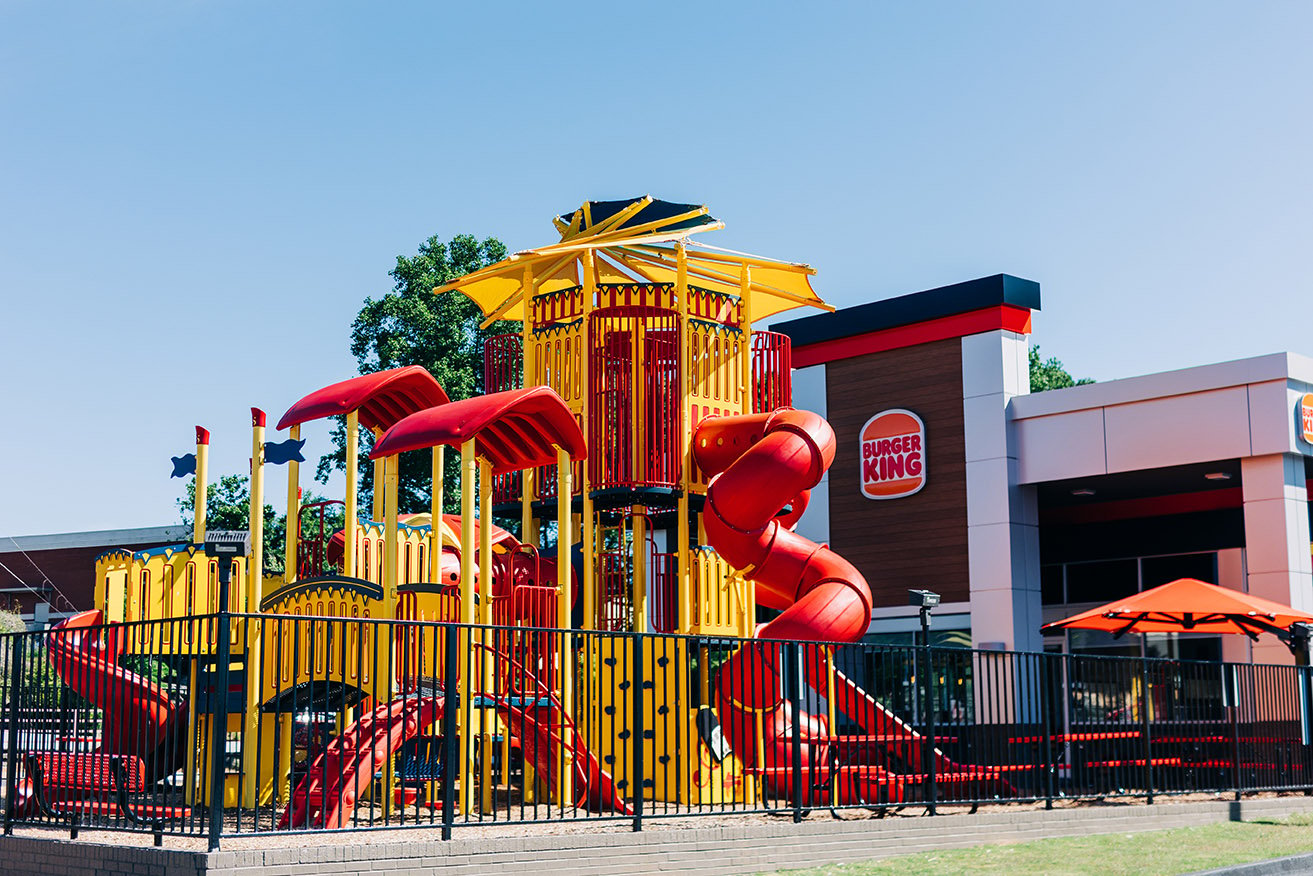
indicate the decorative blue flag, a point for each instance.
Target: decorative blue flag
{"x":183,"y":465}
{"x":286,"y":451}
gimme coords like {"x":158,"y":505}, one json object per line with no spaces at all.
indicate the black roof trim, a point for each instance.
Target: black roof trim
{"x":910,"y":309}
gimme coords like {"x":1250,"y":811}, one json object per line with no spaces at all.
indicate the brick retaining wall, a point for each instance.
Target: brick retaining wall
{"x":729,"y":850}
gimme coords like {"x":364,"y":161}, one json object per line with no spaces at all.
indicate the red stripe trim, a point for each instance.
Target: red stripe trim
{"x":988,"y":319}
{"x":1153,"y":506}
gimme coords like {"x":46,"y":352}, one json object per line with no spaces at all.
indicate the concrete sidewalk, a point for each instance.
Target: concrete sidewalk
{"x":728,"y":849}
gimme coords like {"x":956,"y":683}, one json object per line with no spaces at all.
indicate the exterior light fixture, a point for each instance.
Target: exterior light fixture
{"x":1218,"y":476}
{"x":1082,"y":491}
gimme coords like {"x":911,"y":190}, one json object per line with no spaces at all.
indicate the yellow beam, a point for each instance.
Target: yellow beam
{"x":201,"y":485}
{"x":251,"y":634}
{"x":469,"y":468}
{"x":564,"y":541}
{"x":587,"y":522}
{"x":683,"y":555}
{"x":377,"y":511}
{"x":351,"y":511}
{"x":293,"y":533}
{"x":435,"y":516}
{"x":731,"y":280}
{"x":640,"y":569}
{"x":391,"y":540}
{"x":486,"y":722}
{"x":719,"y":254}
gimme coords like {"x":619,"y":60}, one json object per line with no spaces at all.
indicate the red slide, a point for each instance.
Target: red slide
{"x":139,"y":717}
{"x":326,"y":797}
{"x":338,"y":777}
{"x":761,"y":464}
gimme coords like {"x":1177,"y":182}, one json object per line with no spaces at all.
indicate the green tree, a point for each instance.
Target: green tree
{"x":412,"y":326}
{"x":227,"y":506}
{"x":1050,"y":373}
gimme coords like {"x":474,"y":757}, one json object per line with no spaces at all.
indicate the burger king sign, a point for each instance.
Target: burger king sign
{"x":893,"y":455}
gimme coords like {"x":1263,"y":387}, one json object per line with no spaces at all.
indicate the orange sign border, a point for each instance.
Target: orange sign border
{"x":1305,"y":404}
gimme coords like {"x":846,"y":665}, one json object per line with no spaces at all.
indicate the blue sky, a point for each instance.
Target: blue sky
{"x":196,"y":197}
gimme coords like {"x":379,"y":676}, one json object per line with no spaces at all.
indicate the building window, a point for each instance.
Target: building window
{"x":1102,"y":581}
{"x":1155,"y":571}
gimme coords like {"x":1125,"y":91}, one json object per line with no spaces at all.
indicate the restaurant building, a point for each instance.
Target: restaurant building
{"x":1021,"y":508}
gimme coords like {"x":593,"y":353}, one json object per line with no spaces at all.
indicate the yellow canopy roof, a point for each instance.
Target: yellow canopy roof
{"x":636,"y":240}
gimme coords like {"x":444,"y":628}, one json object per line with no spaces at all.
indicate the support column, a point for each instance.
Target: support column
{"x":564,"y":541}
{"x":469,"y":468}
{"x":250,"y":635}
{"x":201,"y":485}
{"x":292,"y":535}
{"x":1002,"y":516}
{"x":351,"y":512}
{"x":435,"y":515}
{"x":391,"y":532}
{"x":1277,"y":560}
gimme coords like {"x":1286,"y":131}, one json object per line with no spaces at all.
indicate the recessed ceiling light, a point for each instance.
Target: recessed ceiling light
{"x":1082,"y":491}
{"x":1218,"y":476}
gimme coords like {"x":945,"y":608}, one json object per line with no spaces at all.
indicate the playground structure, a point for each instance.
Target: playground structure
{"x":639,"y":424}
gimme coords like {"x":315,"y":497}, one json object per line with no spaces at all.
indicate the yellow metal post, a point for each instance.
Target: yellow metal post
{"x":293,"y":533}
{"x":745,"y":349}
{"x":250,"y":629}
{"x":377,"y":509}
{"x":564,"y":541}
{"x":435,"y":514}
{"x":684,"y":556}
{"x":351,"y":511}
{"x":391,"y":580}
{"x":640,"y":569}
{"x":587,"y":522}
{"x":528,"y":525}
{"x":486,"y":722}
{"x":391,"y":547}
{"x":201,"y":485}
{"x":469,"y":468}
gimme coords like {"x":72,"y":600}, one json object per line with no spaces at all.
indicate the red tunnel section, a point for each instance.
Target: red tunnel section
{"x":762,"y":468}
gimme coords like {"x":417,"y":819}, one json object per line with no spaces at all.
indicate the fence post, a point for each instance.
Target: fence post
{"x":450,"y":708}
{"x":1046,"y":716}
{"x":794,"y":652}
{"x":928,"y":751}
{"x":1235,"y":727}
{"x":16,"y":642}
{"x":639,"y":721}
{"x":219,"y":712}
{"x":1146,"y":703}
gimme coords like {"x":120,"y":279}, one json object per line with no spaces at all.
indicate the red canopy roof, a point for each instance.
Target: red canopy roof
{"x":1187,"y":605}
{"x":513,"y":430}
{"x":383,"y":398}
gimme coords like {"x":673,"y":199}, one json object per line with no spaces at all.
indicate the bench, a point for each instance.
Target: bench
{"x":72,"y":783}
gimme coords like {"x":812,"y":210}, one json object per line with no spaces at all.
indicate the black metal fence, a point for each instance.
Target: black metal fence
{"x":235,"y":724}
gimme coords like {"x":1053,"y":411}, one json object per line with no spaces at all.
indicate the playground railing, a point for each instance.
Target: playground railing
{"x":336,"y":723}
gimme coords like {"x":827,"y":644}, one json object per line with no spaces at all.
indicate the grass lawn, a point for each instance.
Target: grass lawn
{"x":1164,"y":852}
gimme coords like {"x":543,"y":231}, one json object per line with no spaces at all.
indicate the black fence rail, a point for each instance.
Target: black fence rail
{"x":240,"y":724}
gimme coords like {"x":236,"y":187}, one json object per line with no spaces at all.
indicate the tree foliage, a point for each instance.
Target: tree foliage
{"x":1050,"y":373}
{"x":412,"y":326}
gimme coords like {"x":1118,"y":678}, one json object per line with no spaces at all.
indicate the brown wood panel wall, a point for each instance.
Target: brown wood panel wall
{"x":919,"y":541}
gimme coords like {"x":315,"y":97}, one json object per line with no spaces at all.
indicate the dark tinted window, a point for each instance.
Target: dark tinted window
{"x":1101,"y":582}
{"x":1050,"y":584}
{"x":1160,"y":570}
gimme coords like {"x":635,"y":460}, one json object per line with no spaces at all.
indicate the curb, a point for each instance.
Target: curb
{"x":1293,"y":864}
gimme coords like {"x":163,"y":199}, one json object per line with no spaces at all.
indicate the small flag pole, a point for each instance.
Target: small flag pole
{"x":202,"y":469}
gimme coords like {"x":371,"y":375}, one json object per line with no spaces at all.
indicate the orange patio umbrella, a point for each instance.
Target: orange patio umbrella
{"x":1188,"y":605}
